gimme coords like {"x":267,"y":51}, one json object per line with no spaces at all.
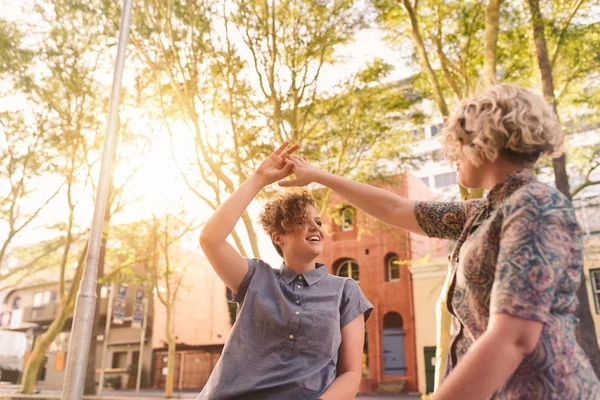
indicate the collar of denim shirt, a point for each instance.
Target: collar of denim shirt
{"x":310,"y":277}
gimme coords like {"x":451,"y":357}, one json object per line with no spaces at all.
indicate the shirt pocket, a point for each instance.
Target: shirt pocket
{"x":325,"y":335}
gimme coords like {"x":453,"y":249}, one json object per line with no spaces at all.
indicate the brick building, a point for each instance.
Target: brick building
{"x":378,"y":257}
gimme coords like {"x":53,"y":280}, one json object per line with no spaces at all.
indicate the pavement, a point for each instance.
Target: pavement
{"x":9,"y":392}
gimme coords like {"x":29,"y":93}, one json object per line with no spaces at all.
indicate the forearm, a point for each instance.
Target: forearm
{"x":384,"y":205}
{"x":345,"y":386}
{"x":484,"y":369}
{"x":223,"y":220}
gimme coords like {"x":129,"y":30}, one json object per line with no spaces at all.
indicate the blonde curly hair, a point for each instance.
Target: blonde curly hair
{"x":506,"y":119}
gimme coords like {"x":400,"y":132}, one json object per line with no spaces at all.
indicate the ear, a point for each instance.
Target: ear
{"x":276,"y":238}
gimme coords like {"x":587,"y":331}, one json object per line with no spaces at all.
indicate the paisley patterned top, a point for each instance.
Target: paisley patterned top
{"x":519,"y":252}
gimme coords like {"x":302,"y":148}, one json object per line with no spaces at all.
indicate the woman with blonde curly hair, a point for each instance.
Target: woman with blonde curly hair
{"x":299,"y":331}
{"x":518,"y":258}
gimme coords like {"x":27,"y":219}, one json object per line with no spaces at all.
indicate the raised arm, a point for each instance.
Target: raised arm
{"x":226,"y":261}
{"x":382,"y":204}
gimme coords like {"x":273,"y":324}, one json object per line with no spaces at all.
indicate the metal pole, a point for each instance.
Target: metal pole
{"x":138,"y":379}
{"x":111,"y":300}
{"x":83,"y":318}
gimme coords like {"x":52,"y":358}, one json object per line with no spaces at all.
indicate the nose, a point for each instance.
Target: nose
{"x":313,"y":227}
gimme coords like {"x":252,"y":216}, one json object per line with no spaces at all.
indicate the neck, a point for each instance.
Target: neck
{"x":499,"y":170}
{"x":299,"y":266}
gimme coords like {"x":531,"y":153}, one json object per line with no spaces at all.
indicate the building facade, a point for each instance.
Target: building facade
{"x":378,"y":258}
{"x":31,"y":309}
{"x":200,"y":322}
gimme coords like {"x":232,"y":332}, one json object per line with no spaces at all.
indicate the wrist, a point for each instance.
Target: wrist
{"x":257,"y":181}
{"x":319,"y":176}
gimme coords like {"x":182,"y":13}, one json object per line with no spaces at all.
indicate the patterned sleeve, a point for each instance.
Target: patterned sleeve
{"x":539,"y":235}
{"x":445,"y":220}
{"x":354,"y":303}
{"x":239,"y":296}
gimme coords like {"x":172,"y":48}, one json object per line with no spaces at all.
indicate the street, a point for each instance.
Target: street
{"x":8,"y":392}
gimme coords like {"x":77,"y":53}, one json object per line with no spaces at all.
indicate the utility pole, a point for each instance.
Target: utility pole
{"x":83,"y":318}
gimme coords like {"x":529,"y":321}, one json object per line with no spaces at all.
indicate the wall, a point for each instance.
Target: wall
{"x":201,"y":315}
{"x":427,"y":279}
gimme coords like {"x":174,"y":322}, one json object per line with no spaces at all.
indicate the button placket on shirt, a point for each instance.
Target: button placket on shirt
{"x":298,"y":290}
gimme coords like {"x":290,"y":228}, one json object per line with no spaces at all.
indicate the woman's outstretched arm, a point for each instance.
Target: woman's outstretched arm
{"x":226,"y":261}
{"x":382,"y":204}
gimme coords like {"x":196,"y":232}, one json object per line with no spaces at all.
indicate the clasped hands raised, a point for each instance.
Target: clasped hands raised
{"x":282,"y":163}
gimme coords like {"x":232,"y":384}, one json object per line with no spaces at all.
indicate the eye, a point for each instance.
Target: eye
{"x":319,"y":223}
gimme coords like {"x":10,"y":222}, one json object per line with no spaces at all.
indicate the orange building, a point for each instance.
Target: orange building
{"x":378,"y":257}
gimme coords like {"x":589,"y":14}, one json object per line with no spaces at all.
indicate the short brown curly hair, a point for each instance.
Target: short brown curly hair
{"x":285,"y":213}
{"x":508,"y":119}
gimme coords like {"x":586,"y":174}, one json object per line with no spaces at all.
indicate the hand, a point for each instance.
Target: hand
{"x":277,"y":166}
{"x":304,"y":171}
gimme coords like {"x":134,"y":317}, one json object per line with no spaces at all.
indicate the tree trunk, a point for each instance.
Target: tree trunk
{"x":492,"y":25}
{"x":39,"y":350}
{"x":251,"y":234}
{"x":585,"y":330}
{"x":433,"y":81}
{"x":170,"y":355}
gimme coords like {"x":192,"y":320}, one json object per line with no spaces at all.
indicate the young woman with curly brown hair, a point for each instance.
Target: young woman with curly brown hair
{"x":299,"y":331}
{"x":518,"y":259}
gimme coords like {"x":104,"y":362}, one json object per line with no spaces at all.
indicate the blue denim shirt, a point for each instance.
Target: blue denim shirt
{"x":285,"y":341}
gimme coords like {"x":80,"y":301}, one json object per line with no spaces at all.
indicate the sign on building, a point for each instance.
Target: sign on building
{"x":119,"y":311}
{"x":138,"y":309}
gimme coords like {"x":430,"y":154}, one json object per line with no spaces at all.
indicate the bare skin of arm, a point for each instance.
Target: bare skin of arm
{"x":492,"y":359}
{"x":345,"y":385}
{"x":384,"y":205}
{"x":229,"y":265}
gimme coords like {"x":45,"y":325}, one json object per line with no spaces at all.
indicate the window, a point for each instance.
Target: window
{"x":347,"y":219}
{"x":16,"y":303}
{"x":45,"y":297}
{"x":419,"y":134}
{"x":444,"y":180}
{"x":435,"y":129}
{"x":595,"y":278}
{"x":348,"y":268}
{"x":119,"y":359}
{"x":393,"y":268}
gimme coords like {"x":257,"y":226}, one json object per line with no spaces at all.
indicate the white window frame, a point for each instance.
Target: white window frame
{"x":595,"y":288}
{"x":348,"y":262}
{"x":389,"y":268}
{"x":343,"y":215}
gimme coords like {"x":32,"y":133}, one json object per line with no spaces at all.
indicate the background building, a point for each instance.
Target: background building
{"x":378,"y":257}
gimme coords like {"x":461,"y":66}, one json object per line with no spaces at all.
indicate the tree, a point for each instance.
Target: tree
{"x":492,"y":27}
{"x":253,"y":71}
{"x":24,"y":156}
{"x":150,"y":251}
{"x":168,"y":277}
{"x":451,"y":32}
{"x":62,"y":93}
{"x":586,"y":332}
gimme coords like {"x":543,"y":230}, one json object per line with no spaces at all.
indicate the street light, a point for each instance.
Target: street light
{"x":83,"y":319}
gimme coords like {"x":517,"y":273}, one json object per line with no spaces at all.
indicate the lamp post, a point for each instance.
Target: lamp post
{"x":83,"y":319}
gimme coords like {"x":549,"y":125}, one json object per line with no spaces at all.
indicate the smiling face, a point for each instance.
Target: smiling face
{"x":292,"y":221}
{"x":304,"y":241}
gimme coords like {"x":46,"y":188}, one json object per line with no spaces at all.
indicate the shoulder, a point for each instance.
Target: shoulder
{"x":537,"y":197}
{"x":259,"y":267}
{"x":351,"y":289}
